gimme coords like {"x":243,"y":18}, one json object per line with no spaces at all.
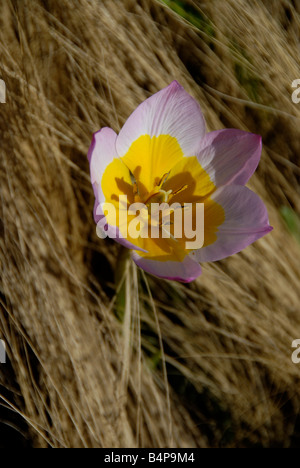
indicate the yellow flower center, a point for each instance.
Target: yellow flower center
{"x":154,"y":170}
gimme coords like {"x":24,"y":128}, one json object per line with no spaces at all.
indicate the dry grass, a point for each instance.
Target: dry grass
{"x":78,"y":376}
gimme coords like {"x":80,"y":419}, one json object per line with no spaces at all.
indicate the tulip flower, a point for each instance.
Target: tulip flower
{"x":163,"y":156}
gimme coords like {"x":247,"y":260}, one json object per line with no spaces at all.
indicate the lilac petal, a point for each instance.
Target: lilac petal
{"x":185,"y":272}
{"x":246,"y":220}
{"x":230,"y":156}
{"x":101,"y":153}
{"x":171,"y":111}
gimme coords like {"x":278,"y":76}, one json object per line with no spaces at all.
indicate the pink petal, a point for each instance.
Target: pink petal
{"x":101,"y":153}
{"x":171,"y":111}
{"x":246,"y":220}
{"x":185,"y":272}
{"x":230,"y":156}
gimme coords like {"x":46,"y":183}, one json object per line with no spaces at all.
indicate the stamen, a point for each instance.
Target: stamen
{"x":163,"y":194}
{"x":181,"y":189}
{"x":163,"y":179}
{"x":135,"y":189}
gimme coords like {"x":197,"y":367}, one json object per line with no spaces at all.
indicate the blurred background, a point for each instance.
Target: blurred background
{"x":155,"y":363}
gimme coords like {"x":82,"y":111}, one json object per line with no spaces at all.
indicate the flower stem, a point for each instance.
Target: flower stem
{"x":121,"y":273}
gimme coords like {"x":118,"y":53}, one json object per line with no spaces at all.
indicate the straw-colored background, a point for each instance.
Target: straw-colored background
{"x":79,"y":376}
